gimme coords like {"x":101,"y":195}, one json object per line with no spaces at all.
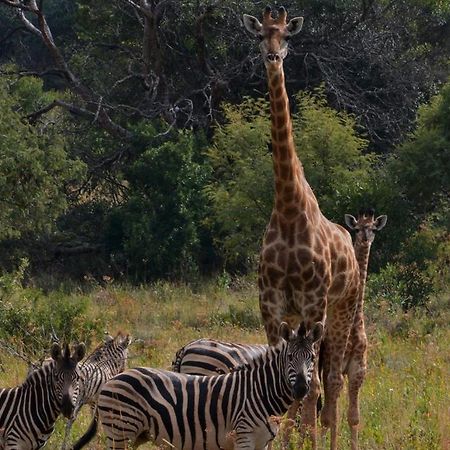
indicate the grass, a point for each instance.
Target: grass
{"x":404,"y":400}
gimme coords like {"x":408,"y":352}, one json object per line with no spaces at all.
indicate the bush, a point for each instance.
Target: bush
{"x":333,"y":154}
{"x":31,"y":321}
{"x":159,"y":231}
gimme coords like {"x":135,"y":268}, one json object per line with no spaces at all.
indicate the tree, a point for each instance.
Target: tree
{"x":329,"y":147}
{"x":35,"y":170}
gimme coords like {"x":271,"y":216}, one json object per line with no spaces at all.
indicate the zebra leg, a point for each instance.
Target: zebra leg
{"x":244,"y":441}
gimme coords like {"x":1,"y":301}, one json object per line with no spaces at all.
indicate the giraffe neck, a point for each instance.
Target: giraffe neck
{"x":288,"y":169}
{"x":362,"y":255}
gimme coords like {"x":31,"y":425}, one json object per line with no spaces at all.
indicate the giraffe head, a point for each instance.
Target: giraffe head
{"x":300,"y":354}
{"x":274,"y":34}
{"x":365,"y":226}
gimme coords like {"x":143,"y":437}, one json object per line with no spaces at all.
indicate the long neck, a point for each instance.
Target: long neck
{"x":362,"y":255}
{"x":34,"y":398}
{"x":291,"y":187}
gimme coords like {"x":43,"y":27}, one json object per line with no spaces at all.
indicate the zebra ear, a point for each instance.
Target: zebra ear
{"x":316,"y":332}
{"x":285,"y":331}
{"x":55,"y":351}
{"x":79,"y":352}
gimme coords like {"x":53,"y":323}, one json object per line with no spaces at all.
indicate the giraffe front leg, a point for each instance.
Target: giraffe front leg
{"x":338,"y":330}
{"x":271,"y":303}
{"x":309,"y":412}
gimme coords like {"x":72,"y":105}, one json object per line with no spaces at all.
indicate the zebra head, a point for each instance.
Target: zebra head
{"x":66,"y":376}
{"x":300,"y":355}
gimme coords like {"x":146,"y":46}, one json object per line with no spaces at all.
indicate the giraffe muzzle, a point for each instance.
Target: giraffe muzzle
{"x":273,"y":57}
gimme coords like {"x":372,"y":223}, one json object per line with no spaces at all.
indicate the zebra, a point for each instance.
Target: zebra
{"x":211,"y":357}
{"x":28,"y":412}
{"x":192,"y":412}
{"x":106,"y":361}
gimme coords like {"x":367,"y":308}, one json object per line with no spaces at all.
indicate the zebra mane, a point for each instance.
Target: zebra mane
{"x":37,"y":372}
{"x":101,"y":351}
{"x":255,"y":360}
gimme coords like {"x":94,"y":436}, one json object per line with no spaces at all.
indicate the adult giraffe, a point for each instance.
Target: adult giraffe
{"x":308,"y":270}
{"x":355,"y":360}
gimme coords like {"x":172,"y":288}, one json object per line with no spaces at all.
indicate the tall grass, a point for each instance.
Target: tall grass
{"x":404,"y":400}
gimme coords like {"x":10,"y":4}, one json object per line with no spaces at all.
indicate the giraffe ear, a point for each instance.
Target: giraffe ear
{"x":285,"y":331}
{"x":295,"y":25}
{"x":350,"y":221}
{"x":252,"y":24}
{"x":380,"y":222}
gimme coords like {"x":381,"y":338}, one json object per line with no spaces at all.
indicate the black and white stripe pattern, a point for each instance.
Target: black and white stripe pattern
{"x":28,"y":412}
{"x":199,"y":412}
{"x":106,"y":361}
{"x":212,"y":357}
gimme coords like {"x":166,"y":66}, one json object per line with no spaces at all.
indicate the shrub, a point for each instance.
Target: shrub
{"x":333,"y":154}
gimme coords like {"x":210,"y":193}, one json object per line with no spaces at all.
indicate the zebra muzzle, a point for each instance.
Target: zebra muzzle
{"x":67,"y":407}
{"x":300,"y":388}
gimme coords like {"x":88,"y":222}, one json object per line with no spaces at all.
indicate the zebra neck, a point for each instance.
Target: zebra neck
{"x":41,"y":393}
{"x":269,"y":383}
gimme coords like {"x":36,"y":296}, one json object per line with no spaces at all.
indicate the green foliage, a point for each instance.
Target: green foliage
{"x":421,"y":165}
{"x":34,"y":166}
{"x":159,"y":230}
{"x":30,"y":320}
{"x":332,"y":152}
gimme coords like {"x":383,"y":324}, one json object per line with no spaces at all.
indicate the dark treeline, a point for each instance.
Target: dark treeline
{"x":133,"y":138}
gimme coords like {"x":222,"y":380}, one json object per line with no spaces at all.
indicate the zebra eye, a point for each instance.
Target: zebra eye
{"x":290,"y":356}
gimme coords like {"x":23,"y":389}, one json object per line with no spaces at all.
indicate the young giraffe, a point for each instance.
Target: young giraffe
{"x":308,"y":270}
{"x":355,"y":361}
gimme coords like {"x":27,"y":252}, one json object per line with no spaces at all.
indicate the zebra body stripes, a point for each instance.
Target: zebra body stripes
{"x":212,"y":357}
{"x":28,"y":412}
{"x":199,"y":412}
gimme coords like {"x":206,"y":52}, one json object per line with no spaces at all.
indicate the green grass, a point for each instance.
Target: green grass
{"x":404,"y":400}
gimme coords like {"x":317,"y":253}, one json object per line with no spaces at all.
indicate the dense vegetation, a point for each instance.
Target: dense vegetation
{"x":404,"y":400}
{"x":134,"y":150}
{"x":134,"y":135}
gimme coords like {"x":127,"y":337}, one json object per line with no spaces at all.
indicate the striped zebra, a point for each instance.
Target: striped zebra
{"x":28,"y":412}
{"x":106,"y":361}
{"x":211,"y":357}
{"x":192,"y":412}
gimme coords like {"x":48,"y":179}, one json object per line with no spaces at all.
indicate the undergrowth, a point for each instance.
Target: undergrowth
{"x":404,"y":400}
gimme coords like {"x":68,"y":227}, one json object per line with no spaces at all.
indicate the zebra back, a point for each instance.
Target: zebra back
{"x":192,"y":412}
{"x":212,"y":357}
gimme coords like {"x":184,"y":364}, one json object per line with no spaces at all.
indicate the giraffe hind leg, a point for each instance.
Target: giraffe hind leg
{"x":356,"y":374}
